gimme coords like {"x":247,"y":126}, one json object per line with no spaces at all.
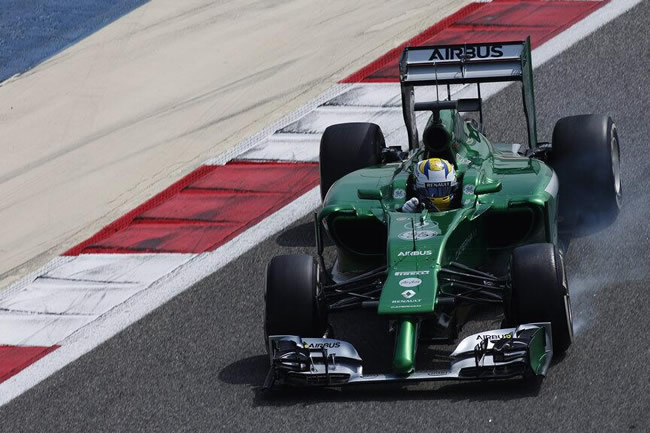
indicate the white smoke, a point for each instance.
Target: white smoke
{"x":583,"y":292}
{"x":612,"y":258}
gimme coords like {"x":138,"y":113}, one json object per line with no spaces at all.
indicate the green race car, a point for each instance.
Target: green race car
{"x":502,"y":245}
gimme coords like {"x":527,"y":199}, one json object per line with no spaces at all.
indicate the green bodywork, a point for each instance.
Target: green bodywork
{"x":507,"y":199}
{"x":518,"y":207}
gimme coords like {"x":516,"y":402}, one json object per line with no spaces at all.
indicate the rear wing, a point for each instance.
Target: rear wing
{"x":465,"y":64}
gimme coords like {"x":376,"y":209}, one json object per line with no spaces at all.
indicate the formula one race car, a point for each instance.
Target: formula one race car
{"x":502,"y":245}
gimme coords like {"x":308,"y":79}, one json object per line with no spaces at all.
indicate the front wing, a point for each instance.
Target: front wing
{"x":498,"y":354}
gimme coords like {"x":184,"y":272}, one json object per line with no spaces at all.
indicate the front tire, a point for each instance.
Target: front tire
{"x":539,"y":291}
{"x":292,"y":298}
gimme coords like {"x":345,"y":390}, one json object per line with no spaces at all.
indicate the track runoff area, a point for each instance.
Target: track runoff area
{"x":232,"y":203}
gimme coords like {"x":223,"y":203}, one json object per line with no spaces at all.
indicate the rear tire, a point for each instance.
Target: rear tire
{"x":292,"y":298}
{"x":539,"y":291}
{"x":348,"y":147}
{"x":586,"y":159}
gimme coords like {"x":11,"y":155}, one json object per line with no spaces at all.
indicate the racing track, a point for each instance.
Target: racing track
{"x":196,"y":364}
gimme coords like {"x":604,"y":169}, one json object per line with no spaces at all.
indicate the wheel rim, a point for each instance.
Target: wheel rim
{"x":616,"y":168}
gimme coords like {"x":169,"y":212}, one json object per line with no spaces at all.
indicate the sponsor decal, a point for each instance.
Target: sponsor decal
{"x":405,"y":303}
{"x":467,"y":52}
{"x":418,"y":224}
{"x":463,"y":246}
{"x":468,"y":189}
{"x":408,"y":294}
{"x":434,"y":373}
{"x":437,"y":184}
{"x":462,"y":160}
{"x":322,"y":345}
{"x":493,"y":337}
{"x":410,"y":282}
{"x":401,"y":218}
{"x":419,"y":235}
{"x":399,"y":193}
{"x":415,"y":253}
{"x":410,"y":273}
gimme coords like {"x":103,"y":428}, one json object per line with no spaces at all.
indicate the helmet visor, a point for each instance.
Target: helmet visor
{"x":438,"y":189}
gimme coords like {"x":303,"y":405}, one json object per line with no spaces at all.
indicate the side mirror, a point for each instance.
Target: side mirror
{"x":369,"y":194}
{"x":487,"y":188}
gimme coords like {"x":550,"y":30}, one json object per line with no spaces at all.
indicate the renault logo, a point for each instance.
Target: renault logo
{"x":408,"y":293}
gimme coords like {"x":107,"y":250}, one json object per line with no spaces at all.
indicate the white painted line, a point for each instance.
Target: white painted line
{"x":581,"y":30}
{"x":562,"y":42}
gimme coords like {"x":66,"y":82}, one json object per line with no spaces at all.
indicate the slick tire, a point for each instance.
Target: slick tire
{"x":348,"y":147}
{"x":586,"y":159}
{"x":292,"y":298}
{"x":539,"y":291}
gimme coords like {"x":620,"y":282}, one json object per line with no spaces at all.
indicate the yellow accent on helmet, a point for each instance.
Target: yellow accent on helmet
{"x":438,"y":164}
{"x":434,"y":164}
{"x":442,"y":203}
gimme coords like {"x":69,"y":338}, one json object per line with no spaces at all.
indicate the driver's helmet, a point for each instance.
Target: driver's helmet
{"x":435,"y":179}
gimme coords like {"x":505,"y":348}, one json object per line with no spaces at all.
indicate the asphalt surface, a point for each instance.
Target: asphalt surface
{"x":198,"y":362}
{"x":31,"y":31}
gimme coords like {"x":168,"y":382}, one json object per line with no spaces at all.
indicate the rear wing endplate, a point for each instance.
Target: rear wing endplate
{"x":464,"y":64}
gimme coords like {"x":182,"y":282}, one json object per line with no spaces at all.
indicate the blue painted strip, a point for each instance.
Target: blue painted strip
{"x":32,"y":31}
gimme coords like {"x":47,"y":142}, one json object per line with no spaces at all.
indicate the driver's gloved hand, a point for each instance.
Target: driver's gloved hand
{"x":411,"y":206}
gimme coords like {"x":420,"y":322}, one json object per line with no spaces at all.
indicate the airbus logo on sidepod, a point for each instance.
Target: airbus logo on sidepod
{"x":415,"y":253}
